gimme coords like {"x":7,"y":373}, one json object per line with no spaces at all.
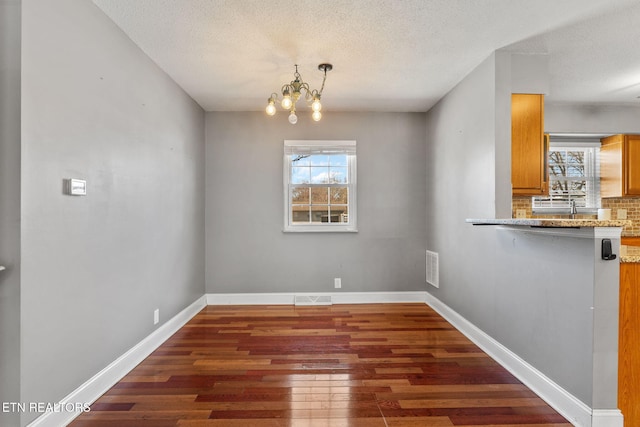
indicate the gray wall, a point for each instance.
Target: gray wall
{"x":246,"y":248}
{"x":94,"y":268}
{"x":461,"y":131}
{"x":10,"y":207}
{"x":591,"y":118}
{"x":493,"y":278}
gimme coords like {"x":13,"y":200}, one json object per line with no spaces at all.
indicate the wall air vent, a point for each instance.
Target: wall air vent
{"x":433,"y":271}
{"x":312,"y":300}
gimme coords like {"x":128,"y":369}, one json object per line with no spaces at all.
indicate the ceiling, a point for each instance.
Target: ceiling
{"x":388,"y":55}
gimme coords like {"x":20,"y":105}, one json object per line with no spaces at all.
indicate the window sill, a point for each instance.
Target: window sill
{"x":563,"y":211}
{"x":311,"y":229}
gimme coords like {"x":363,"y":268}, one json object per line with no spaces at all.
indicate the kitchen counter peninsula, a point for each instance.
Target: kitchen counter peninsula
{"x":551,"y":290}
{"x":552,"y":222}
{"x":630,"y":254}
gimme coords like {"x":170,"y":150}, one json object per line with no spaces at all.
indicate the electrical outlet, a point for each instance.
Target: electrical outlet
{"x":337,"y":282}
{"x":156,"y":316}
{"x":621,"y":214}
{"x":521,"y":213}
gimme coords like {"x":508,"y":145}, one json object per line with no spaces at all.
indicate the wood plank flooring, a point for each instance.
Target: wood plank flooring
{"x":372,"y":365}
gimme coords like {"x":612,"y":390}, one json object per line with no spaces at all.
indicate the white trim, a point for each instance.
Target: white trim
{"x":570,"y":145}
{"x":607,"y":418}
{"x":352,"y":204}
{"x":577,"y":232}
{"x":287,"y":298}
{"x":378,"y":297}
{"x":97,"y":385}
{"x":319,"y":142}
{"x":327,"y":228}
{"x":274,"y":298}
{"x":558,"y":398}
{"x":607,"y":232}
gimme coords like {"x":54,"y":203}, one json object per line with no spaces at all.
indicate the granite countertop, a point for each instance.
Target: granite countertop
{"x":552,"y":222}
{"x":630,"y":254}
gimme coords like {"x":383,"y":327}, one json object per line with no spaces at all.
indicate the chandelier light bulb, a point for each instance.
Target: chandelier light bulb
{"x":286,"y":101}
{"x":317,"y":115}
{"x":293,"y":119}
{"x":271,"y":109}
{"x":316,"y":106}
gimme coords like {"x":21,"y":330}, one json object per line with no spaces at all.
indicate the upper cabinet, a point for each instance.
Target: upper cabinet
{"x":620,"y":166}
{"x":528,"y":145}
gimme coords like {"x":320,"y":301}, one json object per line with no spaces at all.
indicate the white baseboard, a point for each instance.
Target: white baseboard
{"x":565,"y":403}
{"x":287,"y":298}
{"x":96,"y":386}
{"x":607,"y":418}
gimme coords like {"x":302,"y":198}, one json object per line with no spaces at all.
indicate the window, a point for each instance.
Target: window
{"x":574,"y":176}
{"x":320,"y":185}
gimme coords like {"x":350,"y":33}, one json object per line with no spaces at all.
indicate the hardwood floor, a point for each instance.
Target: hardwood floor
{"x":373,"y":365}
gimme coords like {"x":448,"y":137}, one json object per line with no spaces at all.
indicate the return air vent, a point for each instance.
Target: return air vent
{"x":433,"y":271}
{"x":312,"y":300}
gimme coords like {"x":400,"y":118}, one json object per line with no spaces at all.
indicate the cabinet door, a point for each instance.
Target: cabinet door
{"x":629,"y":344}
{"x":528,"y":156}
{"x":611,"y":166}
{"x":632,"y":165}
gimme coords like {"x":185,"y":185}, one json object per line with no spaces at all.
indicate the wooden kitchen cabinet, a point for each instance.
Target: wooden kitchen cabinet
{"x":629,"y":344}
{"x":620,"y":166}
{"x":528,"y":145}
{"x":630,"y":240}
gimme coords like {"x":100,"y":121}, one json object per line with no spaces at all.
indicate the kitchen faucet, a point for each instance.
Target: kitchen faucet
{"x":572,"y":209}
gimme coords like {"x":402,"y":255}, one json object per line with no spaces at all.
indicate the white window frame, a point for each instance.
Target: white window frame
{"x":560,"y":204}
{"x":292,"y":147}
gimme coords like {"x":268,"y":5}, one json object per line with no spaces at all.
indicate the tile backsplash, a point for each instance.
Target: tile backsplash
{"x":630,"y":204}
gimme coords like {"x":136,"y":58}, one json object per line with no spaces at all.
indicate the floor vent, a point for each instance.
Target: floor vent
{"x":313,"y":300}
{"x":433,"y":273}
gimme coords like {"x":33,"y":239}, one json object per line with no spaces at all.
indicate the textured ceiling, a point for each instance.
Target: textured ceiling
{"x":388,"y":55}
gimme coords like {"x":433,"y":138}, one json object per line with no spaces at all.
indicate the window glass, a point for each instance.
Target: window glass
{"x":320,"y":187}
{"x":574,"y":178}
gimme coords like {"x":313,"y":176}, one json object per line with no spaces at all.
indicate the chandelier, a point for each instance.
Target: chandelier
{"x":293,"y":91}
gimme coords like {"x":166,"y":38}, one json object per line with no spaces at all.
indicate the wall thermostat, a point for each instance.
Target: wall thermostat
{"x":75,"y":187}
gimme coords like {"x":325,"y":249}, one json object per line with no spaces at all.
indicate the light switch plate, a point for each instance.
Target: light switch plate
{"x":621,"y":214}
{"x":521,"y":213}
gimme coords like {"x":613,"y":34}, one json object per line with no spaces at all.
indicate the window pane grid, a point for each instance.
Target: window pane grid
{"x":327,"y":204}
{"x":319,"y":190}
{"x":573,"y":177}
{"x":567,"y":173}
